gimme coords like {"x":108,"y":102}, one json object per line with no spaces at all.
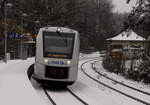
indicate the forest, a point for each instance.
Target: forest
{"x":94,"y":19}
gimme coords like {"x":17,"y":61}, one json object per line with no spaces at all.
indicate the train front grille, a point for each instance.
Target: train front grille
{"x":56,"y":72}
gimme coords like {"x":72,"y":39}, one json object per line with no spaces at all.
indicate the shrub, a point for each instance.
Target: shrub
{"x":141,"y":73}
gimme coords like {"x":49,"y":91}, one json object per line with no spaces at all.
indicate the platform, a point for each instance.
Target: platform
{"x":15,"y":87}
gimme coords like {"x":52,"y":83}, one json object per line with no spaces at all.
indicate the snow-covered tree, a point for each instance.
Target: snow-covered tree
{"x":139,"y":18}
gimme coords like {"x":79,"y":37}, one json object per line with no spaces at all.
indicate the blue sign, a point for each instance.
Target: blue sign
{"x":56,"y":62}
{"x":13,"y":35}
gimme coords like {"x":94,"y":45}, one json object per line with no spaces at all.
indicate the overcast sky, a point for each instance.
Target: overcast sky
{"x":121,"y":6}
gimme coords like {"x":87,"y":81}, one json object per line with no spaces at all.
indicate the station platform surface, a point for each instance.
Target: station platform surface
{"x":15,"y":87}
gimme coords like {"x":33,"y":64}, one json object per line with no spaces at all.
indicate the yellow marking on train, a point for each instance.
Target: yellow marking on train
{"x":56,"y":55}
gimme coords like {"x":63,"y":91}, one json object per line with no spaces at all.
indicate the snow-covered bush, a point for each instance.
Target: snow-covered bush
{"x":133,"y":74}
{"x":112,"y":65}
{"x":144,"y":71}
{"x":138,"y":69}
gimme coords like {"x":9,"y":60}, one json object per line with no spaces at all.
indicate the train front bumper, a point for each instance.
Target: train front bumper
{"x":43,"y":75}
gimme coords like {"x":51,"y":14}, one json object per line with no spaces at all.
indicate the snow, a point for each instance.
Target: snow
{"x":111,"y":95}
{"x":59,"y":96}
{"x":16,"y":89}
{"x":88,"y":56}
{"x":89,"y":91}
{"x":138,"y":85}
{"x":128,"y":36}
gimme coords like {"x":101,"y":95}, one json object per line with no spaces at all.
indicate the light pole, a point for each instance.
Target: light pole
{"x":21,"y":49}
{"x":5,"y":28}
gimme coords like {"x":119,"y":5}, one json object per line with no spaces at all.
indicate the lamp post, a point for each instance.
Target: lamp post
{"x":21,"y":49}
{"x":5,"y":28}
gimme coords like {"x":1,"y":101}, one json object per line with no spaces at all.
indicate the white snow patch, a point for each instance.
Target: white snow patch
{"x":15,"y":87}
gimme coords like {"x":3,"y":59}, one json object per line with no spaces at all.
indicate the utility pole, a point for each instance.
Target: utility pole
{"x":2,"y":16}
{"x":6,"y":5}
{"x":21,"y":42}
{"x":5,"y":32}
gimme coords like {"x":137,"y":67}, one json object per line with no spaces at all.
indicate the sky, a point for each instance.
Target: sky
{"x":121,"y":6}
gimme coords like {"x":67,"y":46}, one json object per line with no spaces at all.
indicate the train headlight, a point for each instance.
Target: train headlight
{"x":45,"y":60}
{"x":58,"y":29}
{"x":68,"y":62}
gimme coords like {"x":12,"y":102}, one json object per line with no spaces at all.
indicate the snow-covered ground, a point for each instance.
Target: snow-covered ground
{"x":87,"y":56}
{"x":121,"y":88}
{"x":138,"y":85}
{"x":16,"y":89}
{"x":113,"y":96}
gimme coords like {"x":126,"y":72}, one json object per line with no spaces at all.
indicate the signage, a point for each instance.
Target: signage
{"x":13,"y":35}
{"x":57,"y":62}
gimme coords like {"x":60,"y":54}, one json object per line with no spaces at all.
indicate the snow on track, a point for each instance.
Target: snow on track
{"x":88,"y":90}
{"x":138,"y":85}
{"x":63,"y":97}
{"x":132,"y":92}
{"x":91,"y":73}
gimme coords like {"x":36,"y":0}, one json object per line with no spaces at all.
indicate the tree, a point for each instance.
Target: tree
{"x":139,"y":18}
{"x":92,"y":18}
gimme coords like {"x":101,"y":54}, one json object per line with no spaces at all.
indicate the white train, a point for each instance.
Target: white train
{"x":57,"y":55}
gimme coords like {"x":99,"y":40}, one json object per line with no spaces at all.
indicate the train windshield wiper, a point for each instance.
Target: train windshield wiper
{"x":64,"y":40}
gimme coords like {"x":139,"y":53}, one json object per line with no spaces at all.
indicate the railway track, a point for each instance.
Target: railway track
{"x":49,"y":97}
{"x":82,"y":101}
{"x":141,"y":91}
{"x":53,"y":95}
{"x":50,"y":93}
{"x":114,"y":88}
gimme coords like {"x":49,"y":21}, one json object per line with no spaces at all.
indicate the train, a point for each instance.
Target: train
{"x":57,"y":56}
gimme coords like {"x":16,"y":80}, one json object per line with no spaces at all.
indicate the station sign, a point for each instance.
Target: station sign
{"x":13,"y":35}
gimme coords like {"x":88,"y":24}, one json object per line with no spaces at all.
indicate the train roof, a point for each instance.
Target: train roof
{"x":61,"y":29}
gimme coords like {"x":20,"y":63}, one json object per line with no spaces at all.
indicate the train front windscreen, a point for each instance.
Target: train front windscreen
{"x":58,"y":45}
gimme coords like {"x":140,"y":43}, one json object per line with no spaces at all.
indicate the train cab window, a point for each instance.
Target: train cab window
{"x":58,"y":45}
